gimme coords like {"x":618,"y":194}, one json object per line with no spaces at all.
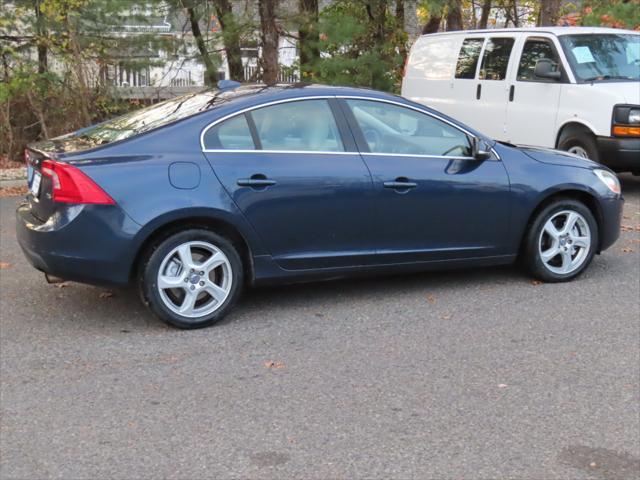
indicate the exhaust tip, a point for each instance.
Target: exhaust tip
{"x":51,"y":279}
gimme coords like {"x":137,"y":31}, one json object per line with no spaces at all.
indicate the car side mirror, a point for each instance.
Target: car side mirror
{"x":546,"y":68}
{"x":479,"y":149}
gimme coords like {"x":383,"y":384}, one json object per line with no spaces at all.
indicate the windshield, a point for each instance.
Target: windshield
{"x":603,"y":57}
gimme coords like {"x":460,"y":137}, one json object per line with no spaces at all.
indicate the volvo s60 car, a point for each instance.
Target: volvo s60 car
{"x":194,"y":198}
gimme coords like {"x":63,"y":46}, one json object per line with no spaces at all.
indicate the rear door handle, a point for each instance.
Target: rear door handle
{"x":400,"y":184}
{"x":512,"y":92}
{"x":256,"y":181}
{"x":479,"y":91}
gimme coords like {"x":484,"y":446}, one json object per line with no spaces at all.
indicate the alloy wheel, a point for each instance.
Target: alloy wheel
{"x":194,"y":279}
{"x":564,"y":242}
{"x":579,"y":151}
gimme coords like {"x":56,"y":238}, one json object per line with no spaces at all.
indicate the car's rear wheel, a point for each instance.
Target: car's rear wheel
{"x":561,"y":241}
{"x":192,"y":278}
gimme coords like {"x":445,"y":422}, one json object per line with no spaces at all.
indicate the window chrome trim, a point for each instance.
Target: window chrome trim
{"x":307,"y":152}
{"x":324,"y":97}
{"x":378,"y":154}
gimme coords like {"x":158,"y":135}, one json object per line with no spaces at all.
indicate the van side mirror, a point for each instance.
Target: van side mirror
{"x":479,"y":149}
{"x":547,"y":68}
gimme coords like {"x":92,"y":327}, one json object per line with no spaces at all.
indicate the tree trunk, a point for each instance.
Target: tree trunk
{"x":549,"y":11}
{"x":454,"y":16}
{"x":211,"y":73}
{"x":432,"y":25}
{"x":269,"y":37}
{"x":484,"y":17}
{"x":308,"y":36}
{"x":400,"y":20}
{"x":41,"y":35}
{"x":231,"y":38}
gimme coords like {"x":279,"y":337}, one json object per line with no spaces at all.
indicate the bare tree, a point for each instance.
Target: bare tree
{"x":41,"y":37}
{"x":454,"y":16}
{"x":230,"y":37}
{"x":549,"y":12}
{"x":194,"y":19}
{"x":484,"y":16}
{"x":269,"y":37}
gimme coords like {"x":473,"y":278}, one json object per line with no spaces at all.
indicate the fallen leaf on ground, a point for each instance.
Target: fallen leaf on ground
{"x":13,"y":191}
{"x":272,"y":364}
{"x":535,"y":283}
{"x":627,"y":250}
{"x":62,"y":284}
{"x":106,"y":294}
{"x":445,"y":317}
{"x":4,"y":265}
{"x":431,"y":299}
{"x":502,"y":385}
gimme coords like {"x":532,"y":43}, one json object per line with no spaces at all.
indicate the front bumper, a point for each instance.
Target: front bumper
{"x":620,"y":154}
{"x":610,"y":220}
{"x":84,"y":243}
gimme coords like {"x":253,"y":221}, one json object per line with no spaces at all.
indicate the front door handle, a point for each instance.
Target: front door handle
{"x":512,"y":92}
{"x":479,"y":91}
{"x":256,"y":181}
{"x":400,"y":183}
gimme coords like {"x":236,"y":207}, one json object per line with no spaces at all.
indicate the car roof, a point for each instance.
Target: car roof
{"x":552,"y":30}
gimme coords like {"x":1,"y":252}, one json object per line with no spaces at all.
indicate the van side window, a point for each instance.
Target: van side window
{"x":496,"y":59}
{"x":468,"y":58}
{"x":533,"y":51}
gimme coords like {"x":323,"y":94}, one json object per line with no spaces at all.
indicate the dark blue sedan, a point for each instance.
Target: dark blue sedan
{"x":196,"y":197}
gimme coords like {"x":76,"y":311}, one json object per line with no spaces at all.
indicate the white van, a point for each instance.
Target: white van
{"x":572,"y":88}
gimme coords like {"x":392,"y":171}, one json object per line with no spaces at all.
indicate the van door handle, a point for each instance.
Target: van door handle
{"x":478,"y":91}
{"x":256,"y":181}
{"x":512,"y":91}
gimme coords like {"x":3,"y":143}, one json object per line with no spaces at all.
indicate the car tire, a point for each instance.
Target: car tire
{"x":581,"y":143}
{"x":191,"y":279}
{"x":549,"y":233}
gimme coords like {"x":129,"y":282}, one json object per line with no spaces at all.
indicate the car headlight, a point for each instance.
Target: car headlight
{"x":634,"y":116}
{"x":609,"y":179}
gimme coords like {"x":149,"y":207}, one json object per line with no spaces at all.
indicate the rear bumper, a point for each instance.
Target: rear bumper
{"x":620,"y":154}
{"x":87,"y":243}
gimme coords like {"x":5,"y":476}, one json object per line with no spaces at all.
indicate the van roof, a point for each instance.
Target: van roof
{"x":552,"y":30}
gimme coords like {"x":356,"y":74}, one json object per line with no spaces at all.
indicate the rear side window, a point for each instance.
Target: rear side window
{"x":496,"y":59}
{"x":533,"y":51}
{"x":305,"y":125}
{"x":232,"y":134}
{"x":468,"y":58}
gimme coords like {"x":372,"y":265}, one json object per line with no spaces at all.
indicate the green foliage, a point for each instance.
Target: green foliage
{"x":360,"y":45}
{"x":612,"y":13}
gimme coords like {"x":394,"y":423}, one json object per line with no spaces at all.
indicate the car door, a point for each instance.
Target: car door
{"x":299,"y":181}
{"x":533,"y":102}
{"x":433,"y":201}
{"x":492,"y":88}
{"x":463,"y":104}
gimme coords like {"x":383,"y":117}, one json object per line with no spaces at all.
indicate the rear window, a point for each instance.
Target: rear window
{"x":496,"y":59}
{"x":468,"y":58}
{"x":149,"y":118}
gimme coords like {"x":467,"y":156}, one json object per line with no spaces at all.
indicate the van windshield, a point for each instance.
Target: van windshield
{"x":603,"y":57}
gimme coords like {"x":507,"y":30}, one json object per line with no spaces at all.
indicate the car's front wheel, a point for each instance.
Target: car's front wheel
{"x":192,"y":278}
{"x":561,"y":241}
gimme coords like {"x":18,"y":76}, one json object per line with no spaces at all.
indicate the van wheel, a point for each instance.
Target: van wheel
{"x":561,"y":241}
{"x":191,"y":279}
{"x":580,"y":143}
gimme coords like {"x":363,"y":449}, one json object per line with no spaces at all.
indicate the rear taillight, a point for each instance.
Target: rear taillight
{"x":71,"y":185}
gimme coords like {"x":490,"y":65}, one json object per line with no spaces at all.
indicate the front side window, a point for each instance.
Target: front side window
{"x":533,"y":51}
{"x":468,"y":58}
{"x":389,"y":128}
{"x":304,"y":125}
{"x":603,"y":57}
{"x":232,"y":134}
{"x":496,"y":59}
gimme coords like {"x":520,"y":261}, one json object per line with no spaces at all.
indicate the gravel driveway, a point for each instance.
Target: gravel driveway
{"x":463,"y":375}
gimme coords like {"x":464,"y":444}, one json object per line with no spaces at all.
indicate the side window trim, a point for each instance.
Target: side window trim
{"x":362,"y":144}
{"x":254,"y":131}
